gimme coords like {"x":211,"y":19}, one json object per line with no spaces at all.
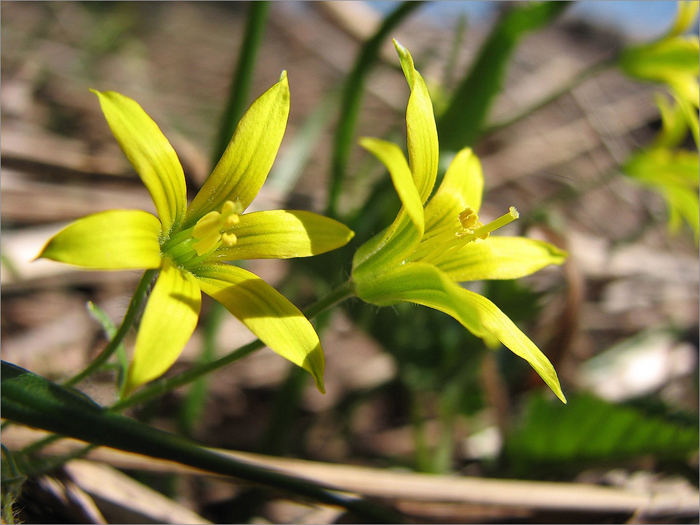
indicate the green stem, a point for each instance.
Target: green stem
{"x":579,"y":79}
{"x":161,"y":386}
{"x":243,"y":75}
{"x":131,"y":314}
{"x":352,"y":98}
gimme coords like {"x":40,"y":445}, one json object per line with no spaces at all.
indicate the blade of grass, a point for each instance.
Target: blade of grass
{"x":352,"y":98}
{"x":34,"y":401}
{"x":461,"y":123}
{"x":242,"y":77}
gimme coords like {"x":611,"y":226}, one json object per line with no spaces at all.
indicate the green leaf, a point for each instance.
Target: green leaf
{"x":589,"y":431}
{"x":32,"y":400}
{"x":461,"y":123}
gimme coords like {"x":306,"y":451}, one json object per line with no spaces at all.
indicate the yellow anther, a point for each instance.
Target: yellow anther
{"x":228,"y":239}
{"x":231,"y":220}
{"x":207,"y":244}
{"x":468,"y":218}
{"x":227,"y":208}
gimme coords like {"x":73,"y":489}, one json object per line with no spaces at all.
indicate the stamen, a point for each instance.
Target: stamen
{"x":446,"y":240}
{"x":228,"y":239}
{"x":209,"y":230}
{"x":483,"y":231}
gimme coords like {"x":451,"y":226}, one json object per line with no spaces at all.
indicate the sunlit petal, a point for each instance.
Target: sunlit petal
{"x":391,"y":156}
{"x":168,"y":323}
{"x":266,"y":313}
{"x":422,"y":139}
{"x":110,"y":240}
{"x":150,"y":153}
{"x":462,"y":186}
{"x":283,"y":234}
{"x":426,"y":285}
{"x":245,"y":164}
{"x":499,"y":258}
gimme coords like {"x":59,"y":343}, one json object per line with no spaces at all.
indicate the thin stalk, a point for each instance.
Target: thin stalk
{"x":352,"y":99}
{"x":420,"y":439}
{"x":157,"y":388}
{"x":129,"y":319}
{"x":243,"y":75}
{"x":579,"y":79}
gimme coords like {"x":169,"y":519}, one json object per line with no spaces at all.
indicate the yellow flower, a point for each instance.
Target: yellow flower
{"x":429,"y":248}
{"x":192,"y":244}
{"x":672,"y":59}
{"x":673,"y":172}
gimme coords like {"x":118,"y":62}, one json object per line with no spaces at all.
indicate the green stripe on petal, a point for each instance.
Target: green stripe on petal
{"x":422,"y":138}
{"x":150,"y":153}
{"x":266,"y":313}
{"x":462,"y":186}
{"x":244,"y":166}
{"x":110,"y":240}
{"x":426,"y":285}
{"x":499,"y":258}
{"x":168,"y":323}
{"x":284,"y":234}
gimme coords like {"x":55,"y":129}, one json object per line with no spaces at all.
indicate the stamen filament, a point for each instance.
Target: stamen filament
{"x":483,"y":231}
{"x":446,"y":240}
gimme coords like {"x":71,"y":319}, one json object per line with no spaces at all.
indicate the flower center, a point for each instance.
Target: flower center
{"x":195,"y":244}
{"x":438,"y":243}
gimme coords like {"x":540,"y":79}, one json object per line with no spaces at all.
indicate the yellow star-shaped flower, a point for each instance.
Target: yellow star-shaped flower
{"x":191,"y":245}
{"x":429,"y":248}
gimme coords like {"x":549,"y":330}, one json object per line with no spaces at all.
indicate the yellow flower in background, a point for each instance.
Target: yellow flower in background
{"x":429,"y":248}
{"x":191,"y":245}
{"x":672,"y":60}
{"x":673,"y":172}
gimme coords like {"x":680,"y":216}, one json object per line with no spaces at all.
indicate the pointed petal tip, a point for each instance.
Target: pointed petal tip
{"x":319,"y":384}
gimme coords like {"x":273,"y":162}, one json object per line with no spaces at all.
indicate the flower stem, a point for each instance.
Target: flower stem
{"x":131,"y":314}
{"x":161,"y":386}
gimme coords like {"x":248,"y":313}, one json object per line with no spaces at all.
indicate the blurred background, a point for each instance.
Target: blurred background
{"x":408,"y":388}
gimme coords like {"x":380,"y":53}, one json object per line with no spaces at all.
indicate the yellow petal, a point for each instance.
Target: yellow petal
{"x":687,"y":14}
{"x":284,"y":234}
{"x":168,"y":323}
{"x":266,"y":313}
{"x":500,"y":258}
{"x":462,"y":186}
{"x":110,"y":240}
{"x":426,"y":285}
{"x":150,"y":153}
{"x":422,"y":139}
{"x":392,"y":157}
{"x":244,"y":166}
